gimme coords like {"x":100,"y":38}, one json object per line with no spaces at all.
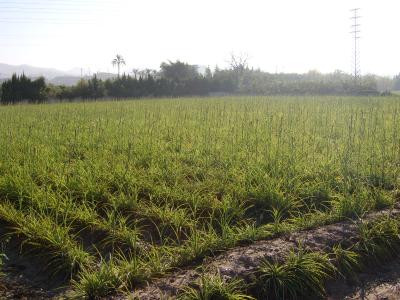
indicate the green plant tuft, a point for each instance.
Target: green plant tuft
{"x":213,"y":287}
{"x":301,"y":275}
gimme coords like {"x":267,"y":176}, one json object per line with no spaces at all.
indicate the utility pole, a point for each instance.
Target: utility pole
{"x":355,"y":32}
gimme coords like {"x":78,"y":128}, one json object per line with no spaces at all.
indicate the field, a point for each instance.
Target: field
{"x":110,"y":195}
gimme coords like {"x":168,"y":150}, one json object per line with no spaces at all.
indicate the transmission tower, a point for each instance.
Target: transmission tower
{"x":355,"y":32}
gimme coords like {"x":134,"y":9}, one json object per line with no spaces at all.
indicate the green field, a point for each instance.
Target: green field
{"x":117,"y":193}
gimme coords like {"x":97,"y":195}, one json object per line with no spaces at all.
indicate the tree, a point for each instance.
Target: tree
{"x":178,"y":71}
{"x":118,"y":61}
{"x":22,"y":88}
{"x":396,"y":83}
{"x":96,"y":88}
{"x":239,"y":63}
{"x":208,"y":74}
{"x":135,"y":73}
{"x":239,"y":66}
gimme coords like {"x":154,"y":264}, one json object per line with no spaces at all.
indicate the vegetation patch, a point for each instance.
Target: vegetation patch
{"x":116,"y":194}
{"x":302,"y":273}
{"x":212,"y":286}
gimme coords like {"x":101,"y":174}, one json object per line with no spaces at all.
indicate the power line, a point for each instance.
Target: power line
{"x":355,"y":32}
{"x":46,"y":15}
{"x":44,"y":21}
{"x":54,"y":9}
{"x":34,"y":10}
{"x":41,"y":10}
{"x":60,"y":6}
{"x":53,"y":2}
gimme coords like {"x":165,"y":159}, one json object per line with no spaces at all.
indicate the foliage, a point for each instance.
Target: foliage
{"x":379,"y":241}
{"x":97,"y":284}
{"x":118,"y":61}
{"x":213,"y":287}
{"x":22,"y":88}
{"x":178,"y":71}
{"x":115,"y":193}
{"x":397,"y":82}
{"x":302,"y":274}
{"x":346,"y":260}
{"x":181,"y":79}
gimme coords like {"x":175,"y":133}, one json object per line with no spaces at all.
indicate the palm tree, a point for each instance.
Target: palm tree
{"x":118,"y":60}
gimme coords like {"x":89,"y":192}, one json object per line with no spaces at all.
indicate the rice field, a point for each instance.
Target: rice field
{"x":115,"y":194}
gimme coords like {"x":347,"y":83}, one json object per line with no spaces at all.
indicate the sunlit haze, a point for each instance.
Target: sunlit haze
{"x":278,"y":36}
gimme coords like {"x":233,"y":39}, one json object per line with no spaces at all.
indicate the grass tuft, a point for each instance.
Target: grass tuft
{"x":213,"y":287}
{"x":302,"y":274}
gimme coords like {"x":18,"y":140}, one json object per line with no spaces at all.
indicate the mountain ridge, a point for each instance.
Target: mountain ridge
{"x":52,"y":75}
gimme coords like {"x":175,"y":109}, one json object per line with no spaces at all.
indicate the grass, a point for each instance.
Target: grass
{"x":212,"y":286}
{"x":303,"y":274}
{"x":95,"y":284}
{"x":379,"y":241}
{"x":153,"y":185}
{"x":347,"y":261}
{"x":53,"y":241}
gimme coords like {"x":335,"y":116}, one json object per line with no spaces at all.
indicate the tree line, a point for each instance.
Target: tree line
{"x":182,"y":79}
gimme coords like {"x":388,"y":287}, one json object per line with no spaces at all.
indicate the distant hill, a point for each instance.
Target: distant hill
{"x":64,"y":80}
{"x":6,"y":71}
{"x":72,"y":80}
{"x":52,"y":75}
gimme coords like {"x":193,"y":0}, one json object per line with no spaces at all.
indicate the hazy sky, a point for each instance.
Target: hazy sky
{"x":283,"y":36}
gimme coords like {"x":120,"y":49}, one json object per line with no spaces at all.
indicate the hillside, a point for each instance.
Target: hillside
{"x":52,"y":75}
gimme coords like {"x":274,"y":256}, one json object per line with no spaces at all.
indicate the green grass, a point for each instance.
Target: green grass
{"x":379,"y":241}
{"x":302,"y":275}
{"x":152,"y":185}
{"x":348,"y":261}
{"x":212,"y":286}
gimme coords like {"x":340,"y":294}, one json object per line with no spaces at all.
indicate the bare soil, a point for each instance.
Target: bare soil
{"x":25,"y":275}
{"x":379,"y":283}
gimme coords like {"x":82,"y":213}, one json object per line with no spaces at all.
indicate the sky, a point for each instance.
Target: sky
{"x":277,"y":36}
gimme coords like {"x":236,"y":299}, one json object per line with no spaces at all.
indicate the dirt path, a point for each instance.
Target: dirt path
{"x":243,"y":261}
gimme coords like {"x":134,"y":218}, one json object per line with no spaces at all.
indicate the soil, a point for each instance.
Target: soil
{"x":379,"y":283}
{"x":27,"y":278}
{"x":16,"y":287}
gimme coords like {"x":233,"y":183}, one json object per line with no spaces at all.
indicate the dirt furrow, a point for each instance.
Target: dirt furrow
{"x":243,"y":261}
